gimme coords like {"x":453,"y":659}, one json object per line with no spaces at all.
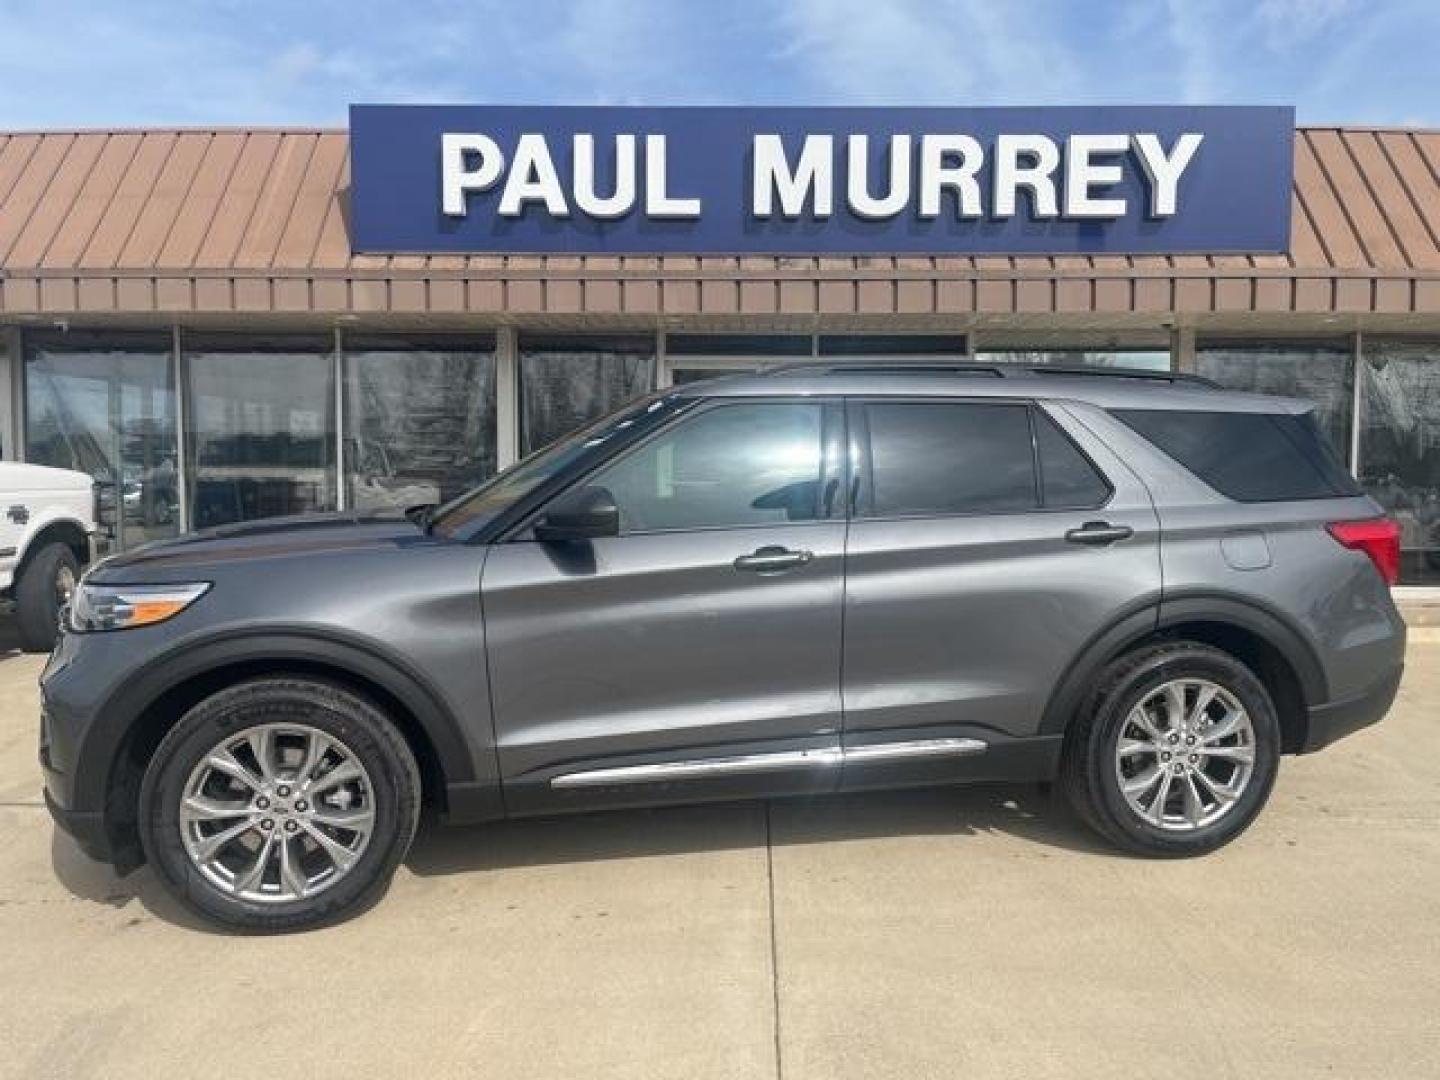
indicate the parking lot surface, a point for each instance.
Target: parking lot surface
{"x":951,"y":933}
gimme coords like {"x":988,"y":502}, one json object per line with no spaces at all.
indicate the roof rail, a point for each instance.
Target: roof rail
{"x":1125,"y":373}
{"x":872,"y":366}
{"x":993,"y":371}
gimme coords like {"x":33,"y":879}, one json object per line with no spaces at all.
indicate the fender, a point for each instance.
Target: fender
{"x":1248,"y":613}
{"x":456,"y":758}
{"x":1188,"y":607}
{"x":40,"y":519}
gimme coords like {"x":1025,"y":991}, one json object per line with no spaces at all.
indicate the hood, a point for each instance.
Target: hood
{"x":18,"y":476}
{"x":273,"y":538}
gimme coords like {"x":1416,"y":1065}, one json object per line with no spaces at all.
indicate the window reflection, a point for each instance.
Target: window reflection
{"x":262,"y":428}
{"x":1400,"y":447}
{"x":1322,"y":373}
{"x":1135,"y":359}
{"x":105,"y":405}
{"x":566,"y":383}
{"x":732,"y":466}
{"x":420,"y":420}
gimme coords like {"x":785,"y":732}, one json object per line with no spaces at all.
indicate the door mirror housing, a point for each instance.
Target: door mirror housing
{"x":585,"y":514}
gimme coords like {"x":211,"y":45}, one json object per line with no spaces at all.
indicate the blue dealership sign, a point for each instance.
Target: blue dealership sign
{"x":576,"y":180}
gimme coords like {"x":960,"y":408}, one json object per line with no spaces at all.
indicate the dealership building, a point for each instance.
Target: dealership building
{"x":232,"y":324}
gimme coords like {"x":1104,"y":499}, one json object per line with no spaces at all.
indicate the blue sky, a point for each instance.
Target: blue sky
{"x":138,"y":62}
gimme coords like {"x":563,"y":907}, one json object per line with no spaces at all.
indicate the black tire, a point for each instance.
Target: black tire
{"x":357,"y":724}
{"x":37,"y":595}
{"x":1088,"y":770}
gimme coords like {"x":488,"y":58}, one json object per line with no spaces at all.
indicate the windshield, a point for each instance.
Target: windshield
{"x":505,"y":489}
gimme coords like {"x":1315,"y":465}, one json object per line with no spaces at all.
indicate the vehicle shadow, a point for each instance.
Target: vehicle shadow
{"x":1028,"y":813}
{"x":9,"y":638}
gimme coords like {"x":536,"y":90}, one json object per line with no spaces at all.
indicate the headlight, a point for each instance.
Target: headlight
{"x":120,"y":607}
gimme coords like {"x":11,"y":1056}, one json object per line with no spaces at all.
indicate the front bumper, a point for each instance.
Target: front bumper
{"x":1337,"y":719}
{"x":88,"y":830}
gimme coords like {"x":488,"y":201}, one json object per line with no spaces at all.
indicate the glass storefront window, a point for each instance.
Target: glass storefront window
{"x":939,"y":346}
{"x":694,"y":357}
{"x":1322,"y":373}
{"x":567,"y":382}
{"x":419,"y":419}
{"x":261,"y":414}
{"x":1400,"y":447}
{"x":104,"y":404}
{"x":1134,"y":359}
{"x":759,"y":345}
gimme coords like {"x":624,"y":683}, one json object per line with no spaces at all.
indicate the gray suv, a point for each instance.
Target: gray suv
{"x":800,"y":581}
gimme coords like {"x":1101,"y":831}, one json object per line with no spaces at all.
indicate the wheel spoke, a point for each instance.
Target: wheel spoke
{"x":208,"y":847}
{"x":1194,"y":805}
{"x":1156,"y":812}
{"x":339,"y":854}
{"x":1229,"y":724}
{"x":291,"y":876}
{"x":199,"y":808}
{"x":1223,"y":793}
{"x":353,"y":820}
{"x":346,"y":770}
{"x":1174,"y":705}
{"x":1131,"y":747}
{"x":256,"y":874}
{"x":1203,"y":697}
{"x":1245,"y":755}
{"x":1138,"y":785}
{"x":315,"y":749}
{"x":1142,"y":719}
{"x":222,"y":759}
{"x":262,"y":744}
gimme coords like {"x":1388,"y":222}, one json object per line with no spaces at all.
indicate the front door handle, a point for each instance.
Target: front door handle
{"x":1099,"y":533}
{"x":772,"y":560}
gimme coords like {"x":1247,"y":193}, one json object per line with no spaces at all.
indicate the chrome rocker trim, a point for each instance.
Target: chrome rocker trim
{"x":825,"y":758}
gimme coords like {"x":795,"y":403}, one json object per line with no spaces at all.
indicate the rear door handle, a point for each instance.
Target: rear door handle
{"x":1099,"y":533}
{"x":772,"y":560}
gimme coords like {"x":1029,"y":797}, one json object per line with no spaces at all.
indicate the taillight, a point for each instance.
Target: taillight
{"x":1378,"y":538}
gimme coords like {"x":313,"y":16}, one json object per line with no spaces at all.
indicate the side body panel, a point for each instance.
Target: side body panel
{"x":1337,"y":620}
{"x":378,"y":602}
{"x":638,"y":649}
{"x":963,"y":625}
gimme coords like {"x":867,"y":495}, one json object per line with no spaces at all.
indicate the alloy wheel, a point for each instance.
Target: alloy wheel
{"x":1185,"y":755}
{"x":277,"y":813}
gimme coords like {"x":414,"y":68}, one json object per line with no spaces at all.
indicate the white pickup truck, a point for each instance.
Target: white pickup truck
{"x":48,"y":528}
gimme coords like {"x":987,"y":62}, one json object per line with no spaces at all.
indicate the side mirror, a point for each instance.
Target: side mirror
{"x":581,"y":515}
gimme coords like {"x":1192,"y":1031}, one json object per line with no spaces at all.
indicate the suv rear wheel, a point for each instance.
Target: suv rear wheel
{"x":1175,"y":753}
{"x":279,"y":804}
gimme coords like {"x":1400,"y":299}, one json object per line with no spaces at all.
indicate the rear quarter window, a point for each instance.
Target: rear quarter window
{"x":1248,"y":457}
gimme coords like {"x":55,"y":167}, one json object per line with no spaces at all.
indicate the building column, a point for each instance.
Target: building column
{"x":507,"y":397}
{"x":1182,"y":349}
{"x":11,"y":423}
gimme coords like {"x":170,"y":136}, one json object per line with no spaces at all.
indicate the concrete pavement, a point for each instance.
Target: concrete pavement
{"x":958,"y":932}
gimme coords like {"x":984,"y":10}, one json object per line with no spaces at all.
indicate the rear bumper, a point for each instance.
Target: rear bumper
{"x":1340,"y":718}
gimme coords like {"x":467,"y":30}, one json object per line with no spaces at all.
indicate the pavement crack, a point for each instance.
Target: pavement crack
{"x":774,"y":941}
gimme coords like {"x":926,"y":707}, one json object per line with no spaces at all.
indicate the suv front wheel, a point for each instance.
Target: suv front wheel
{"x":279,"y":803}
{"x":1175,"y":753}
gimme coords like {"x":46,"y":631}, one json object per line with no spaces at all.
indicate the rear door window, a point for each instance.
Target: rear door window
{"x":1068,"y":480}
{"x":1248,"y":457}
{"x":936,"y":458}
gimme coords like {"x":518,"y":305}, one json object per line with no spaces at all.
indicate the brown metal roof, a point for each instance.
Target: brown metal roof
{"x":256,"y":220}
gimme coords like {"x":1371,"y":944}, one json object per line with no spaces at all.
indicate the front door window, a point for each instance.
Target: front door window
{"x":731,"y":466}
